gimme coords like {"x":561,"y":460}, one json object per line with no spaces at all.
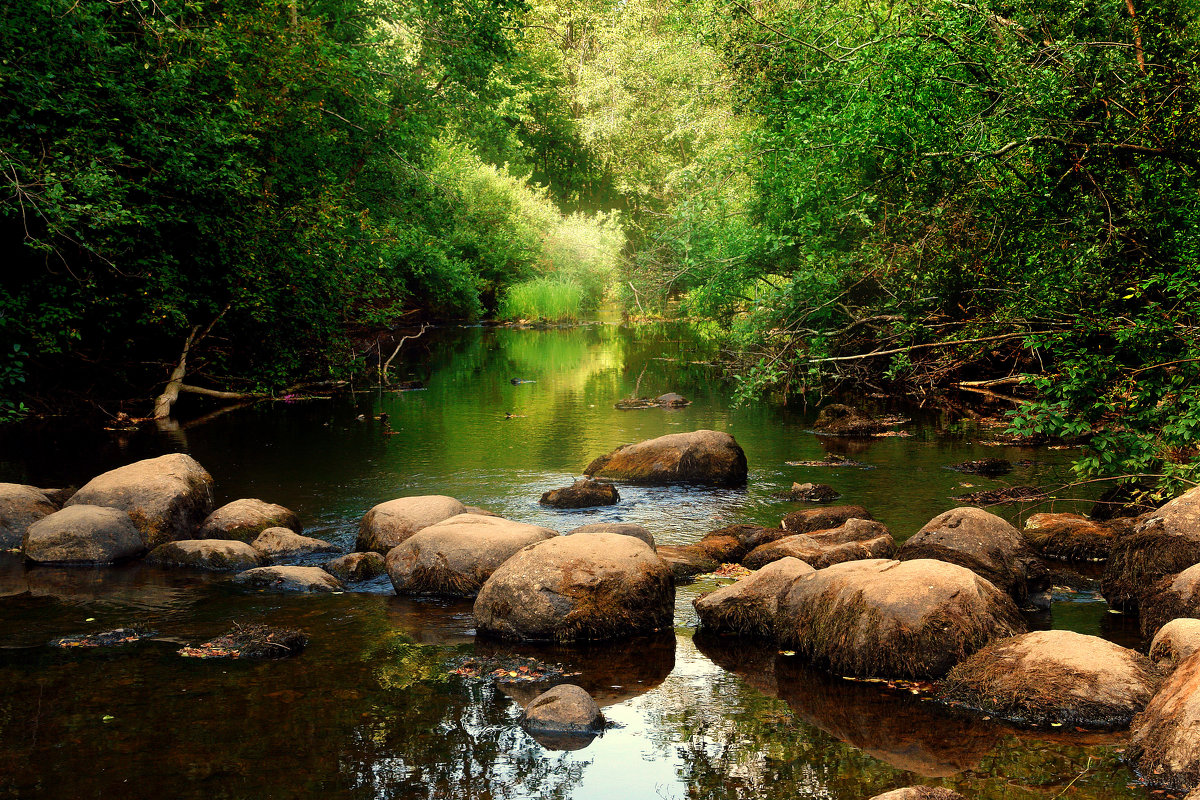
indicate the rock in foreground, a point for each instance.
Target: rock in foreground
{"x":586,"y":586}
{"x":289,"y":579}
{"x":709,"y":457}
{"x":749,"y":606}
{"x":623,"y":528}
{"x":20,"y":507}
{"x":911,"y":619}
{"x":210,"y":554}
{"x":166,"y":497}
{"x":389,"y":524}
{"x":246,"y":518}
{"x":1055,"y":678}
{"x":583,"y":493}
{"x":1164,"y":742}
{"x":83,"y":535}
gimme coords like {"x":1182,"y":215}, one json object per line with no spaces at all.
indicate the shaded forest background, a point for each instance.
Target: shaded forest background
{"x":909,"y":196}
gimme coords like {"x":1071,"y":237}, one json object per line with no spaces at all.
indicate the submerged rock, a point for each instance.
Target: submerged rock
{"x":563,"y":709}
{"x":1055,"y":678}
{"x":251,"y":642}
{"x":820,"y":519}
{"x":1164,"y":741}
{"x":837,"y":419}
{"x":114,"y":638}
{"x":246,"y":518}
{"x":911,"y":619}
{"x":455,"y":556}
{"x":983,"y":543}
{"x":623,"y":528}
{"x":668,"y":400}
{"x":812,"y":493}
{"x":569,"y":588}
{"x":1174,"y":642}
{"x":389,"y":524}
{"x":289,"y":579}
{"x":83,"y":535}
{"x":209,"y":554}
{"x":583,"y":493}
{"x":20,"y":507}
{"x":1163,"y":543}
{"x":357,"y":567}
{"x":709,"y":457}
{"x":280,"y":543}
{"x":166,"y":497}
{"x":749,"y":606}
{"x":1069,"y":537}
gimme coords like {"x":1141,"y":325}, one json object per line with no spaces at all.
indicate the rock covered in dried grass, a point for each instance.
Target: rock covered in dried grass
{"x":1164,"y":741}
{"x":20,"y":507}
{"x":166,"y":497}
{"x":1173,"y":596}
{"x":920,"y":793}
{"x":749,"y":606}
{"x":1055,"y":677}
{"x":246,"y":518}
{"x":1163,"y":543}
{"x":569,"y":588}
{"x":583,"y":493}
{"x":819,"y":519}
{"x":1174,"y":642}
{"x":704,"y":456}
{"x":357,"y":567}
{"x":209,"y":554}
{"x":454,"y":557}
{"x":983,"y":543}
{"x":1069,"y":537}
{"x":911,"y":619}
{"x":389,"y":524}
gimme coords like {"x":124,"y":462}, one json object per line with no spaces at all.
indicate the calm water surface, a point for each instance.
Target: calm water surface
{"x":370,"y":709}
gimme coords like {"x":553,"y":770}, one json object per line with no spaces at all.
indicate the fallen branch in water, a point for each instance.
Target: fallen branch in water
{"x":383,"y":371}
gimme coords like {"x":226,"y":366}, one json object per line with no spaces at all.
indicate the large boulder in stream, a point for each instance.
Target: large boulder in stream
{"x":389,"y":524}
{"x":1055,"y":677}
{"x":20,"y":507}
{"x":281,"y":544}
{"x":209,"y":554}
{"x":1164,"y":742}
{"x":1163,"y":543}
{"x":910,"y":619}
{"x":983,"y":543}
{"x":570,"y":588}
{"x":246,"y":518}
{"x":708,"y":457}
{"x":83,"y":535}
{"x":856,"y":539}
{"x":454,"y":557}
{"x":1174,"y":643}
{"x":166,"y":497}
{"x":565,"y":709}
{"x":583,"y":493}
{"x":749,"y":606}
{"x":1070,"y":537}
{"x":289,"y":579}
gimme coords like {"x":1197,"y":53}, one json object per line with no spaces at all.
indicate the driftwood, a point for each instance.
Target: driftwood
{"x":383,"y":370}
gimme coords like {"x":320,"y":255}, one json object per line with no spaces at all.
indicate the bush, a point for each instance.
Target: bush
{"x":542,"y":299}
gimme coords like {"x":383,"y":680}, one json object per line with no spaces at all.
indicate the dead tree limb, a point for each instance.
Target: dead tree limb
{"x":383,"y":376}
{"x":166,"y":400}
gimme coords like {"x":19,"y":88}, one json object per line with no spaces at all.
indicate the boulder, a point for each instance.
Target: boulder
{"x":1172,"y":597}
{"x":289,"y":579}
{"x":20,"y":507}
{"x":455,"y":556}
{"x":812,"y":493}
{"x":247,"y":518}
{"x":1069,"y":537}
{"x":1164,"y":741}
{"x":583,"y":493}
{"x":586,"y":586}
{"x":984,"y":544}
{"x":842,"y":420}
{"x":357,"y":567}
{"x":564,"y":709}
{"x":920,"y":793}
{"x":708,"y":457}
{"x":910,"y":619}
{"x":166,"y":497}
{"x":687,"y":561}
{"x":1055,"y":678}
{"x":821,"y":554}
{"x":748,"y":607}
{"x":209,"y":554}
{"x":1174,"y":642}
{"x":388,"y":524}
{"x":83,"y":535}
{"x":623,"y":528}
{"x":819,"y":519}
{"x":278,"y":544}
{"x":1163,"y":543}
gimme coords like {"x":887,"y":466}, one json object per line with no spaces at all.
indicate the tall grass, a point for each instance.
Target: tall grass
{"x":545,"y":299}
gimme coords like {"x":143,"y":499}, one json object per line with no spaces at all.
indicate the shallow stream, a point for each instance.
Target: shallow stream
{"x":372,"y":709}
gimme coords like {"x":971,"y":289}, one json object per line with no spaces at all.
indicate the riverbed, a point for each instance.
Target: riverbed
{"x":373,"y":709}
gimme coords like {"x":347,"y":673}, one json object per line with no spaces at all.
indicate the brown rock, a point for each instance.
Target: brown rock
{"x":357,"y":567}
{"x":1163,"y":543}
{"x":83,"y":535}
{"x":1069,"y":537}
{"x":687,"y":561}
{"x":587,"y":586}
{"x":819,"y":519}
{"x":289,"y":579}
{"x":920,"y":793}
{"x":730,"y":544}
{"x":842,"y":420}
{"x":819,"y":554}
{"x":247,"y":518}
{"x":812,"y":493}
{"x":623,"y":528}
{"x":388,"y":524}
{"x":1055,"y":677}
{"x":710,"y":457}
{"x":166,"y":497}
{"x":748,"y":607}
{"x":583,"y":493}
{"x":209,"y":554}
{"x":455,"y":556}
{"x":20,"y":507}
{"x":1174,"y":642}
{"x":1173,"y":596}
{"x":1164,"y":742}
{"x":280,"y":543}
{"x":912,"y":619}
{"x":564,"y":709}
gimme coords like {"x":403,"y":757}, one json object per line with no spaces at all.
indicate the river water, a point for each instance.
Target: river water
{"x":372,"y":709}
